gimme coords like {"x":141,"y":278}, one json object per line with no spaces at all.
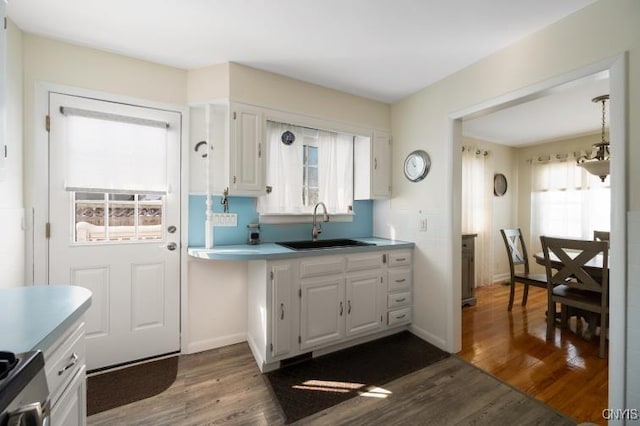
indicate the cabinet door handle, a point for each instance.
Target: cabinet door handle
{"x":341,"y":309}
{"x":401,"y":316}
{"x":401,"y":281}
{"x":401,"y":259}
{"x":375,"y":164}
{"x":348,"y":306}
{"x":282,"y":311}
{"x":74,"y":360}
{"x":401,"y":300}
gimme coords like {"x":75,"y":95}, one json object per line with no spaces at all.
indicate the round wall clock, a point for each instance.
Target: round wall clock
{"x":417,"y":165}
{"x":499,"y":184}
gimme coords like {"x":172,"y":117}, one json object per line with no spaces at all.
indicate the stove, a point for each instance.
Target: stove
{"x":24,"y":394}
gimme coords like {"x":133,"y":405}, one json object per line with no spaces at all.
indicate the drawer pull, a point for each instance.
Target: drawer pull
{"x":401,"y":316}
{"x":401,"y":259}
{"x":401,"y":281}
{"x":74,"y":360}
{"x":282,"y":311}
{"x":348,"y":306}
{"x":341,"y":309}
{"x":401,"y":300}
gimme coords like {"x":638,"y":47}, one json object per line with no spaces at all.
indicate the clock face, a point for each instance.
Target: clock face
{"x":417,"y":165}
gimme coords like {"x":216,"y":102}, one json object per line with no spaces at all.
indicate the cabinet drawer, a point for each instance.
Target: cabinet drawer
{"x":65,"y":361}
{"x":320,"y":266}
{"x":364,"y":262}
{"x":399,"y":258}
{"x":399,"y":279}
{"x":399,"y":299}
{"x":399,"y":316}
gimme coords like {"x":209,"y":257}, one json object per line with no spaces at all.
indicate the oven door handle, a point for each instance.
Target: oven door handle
{"x":29,"y":414}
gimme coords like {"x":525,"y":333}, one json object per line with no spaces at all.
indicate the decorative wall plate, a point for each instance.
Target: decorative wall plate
{"x":417,"y":165}
{"x":499,"y":184}
{"x":287,"y":137}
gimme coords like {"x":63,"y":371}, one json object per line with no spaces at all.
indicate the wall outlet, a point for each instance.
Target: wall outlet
{"x":423,"y":225}
{"x":225,"y":219}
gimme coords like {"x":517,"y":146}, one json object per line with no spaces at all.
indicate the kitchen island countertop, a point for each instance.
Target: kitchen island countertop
{"x":34,"y":317}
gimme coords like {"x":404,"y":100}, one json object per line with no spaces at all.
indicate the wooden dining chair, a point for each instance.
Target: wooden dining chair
{"x":601,"y":236}
{"x":517,"y":254}
{"x":573,"y":283}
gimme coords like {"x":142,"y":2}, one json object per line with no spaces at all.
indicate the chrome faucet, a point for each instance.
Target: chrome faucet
{"x":316,"y":226}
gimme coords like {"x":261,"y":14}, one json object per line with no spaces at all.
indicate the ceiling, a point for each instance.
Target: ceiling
{"x":379,"y":49}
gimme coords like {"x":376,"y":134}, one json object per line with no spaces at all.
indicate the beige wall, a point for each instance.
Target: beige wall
{"x":12,"y":254}
{"x":208,"y":83}
{"x":59,"y":63}
{"x":275,"y":91}
{"x":600,"y":31}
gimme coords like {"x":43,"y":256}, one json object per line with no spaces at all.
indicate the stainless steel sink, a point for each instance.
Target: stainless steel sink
{"x":323,"y":244}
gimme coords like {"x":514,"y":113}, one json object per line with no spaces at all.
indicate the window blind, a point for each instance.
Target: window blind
{"x":113,"y":153}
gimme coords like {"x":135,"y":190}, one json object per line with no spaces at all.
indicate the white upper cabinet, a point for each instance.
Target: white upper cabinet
{"x":372,"y":162}
{"x":235,"y":133}
{"x":246,"y":156}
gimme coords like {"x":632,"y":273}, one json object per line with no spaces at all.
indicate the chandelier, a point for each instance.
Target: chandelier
{"x":597,"y":162}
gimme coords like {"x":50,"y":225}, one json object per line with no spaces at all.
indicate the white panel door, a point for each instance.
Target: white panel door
{"x":381,"y":176}
{"x":123,"y":247}
{"x":246,"y":152}
{"x":322,"y":311}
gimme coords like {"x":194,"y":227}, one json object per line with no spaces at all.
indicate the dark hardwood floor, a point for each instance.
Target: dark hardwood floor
{"x":565,"y":373}
{"x":225,"y":387}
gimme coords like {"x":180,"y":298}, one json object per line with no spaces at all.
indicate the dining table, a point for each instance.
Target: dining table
{"x":594,"y":268}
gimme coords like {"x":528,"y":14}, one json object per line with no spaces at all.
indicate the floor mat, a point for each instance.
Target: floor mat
{"x":120,"y":387}
{"x":313,"y":385}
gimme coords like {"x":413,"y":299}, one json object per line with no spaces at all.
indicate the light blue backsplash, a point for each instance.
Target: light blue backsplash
{"x":362,"y":225}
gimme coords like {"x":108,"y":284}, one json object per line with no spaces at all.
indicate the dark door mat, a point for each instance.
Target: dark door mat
{"x":313,"y":385}
{"x":120,"y":387}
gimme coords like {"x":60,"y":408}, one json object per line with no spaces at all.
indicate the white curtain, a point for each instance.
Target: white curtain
{"x":567,"y":201}
{"x":285,"y":171}
{"x":335,"y":171}
{"x":477,"y":210}
{"x":105,"y":155}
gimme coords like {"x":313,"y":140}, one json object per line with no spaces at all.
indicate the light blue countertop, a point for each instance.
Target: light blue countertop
{"x":267,"y":251}
{"x":34,"y":317}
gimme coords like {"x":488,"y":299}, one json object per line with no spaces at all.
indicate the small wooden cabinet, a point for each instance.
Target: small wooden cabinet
{"x":468,"y":269}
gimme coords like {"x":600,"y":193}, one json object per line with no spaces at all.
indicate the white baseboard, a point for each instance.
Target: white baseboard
{"x":218,"y":342}
{"x":429,"y":337}
{"x":501,"y":278}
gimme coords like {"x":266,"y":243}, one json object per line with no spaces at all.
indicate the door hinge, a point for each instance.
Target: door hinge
{"x":380,"y":318}
{"x":299,"y":339}
{"x":381,"y":281}
{"x":300,"y":293}
{"x":384,"y":258}
{"x":259,"y":150}
{"x":234,"y":115}
{"x":5,"y":22}
{"x":271,"y":275}
{"x":234,"y":179}
{"x":47,"y":230}
{"x":47,"y":123}
{"x":271,"y":346}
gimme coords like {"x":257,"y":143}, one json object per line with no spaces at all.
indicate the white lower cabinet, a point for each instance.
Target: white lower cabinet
{"x":364,"y":293}
{"x":71,"y":408}
{"x":65,"y":368}
{"x":322,"y":311}
{"x":325,"y":302}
